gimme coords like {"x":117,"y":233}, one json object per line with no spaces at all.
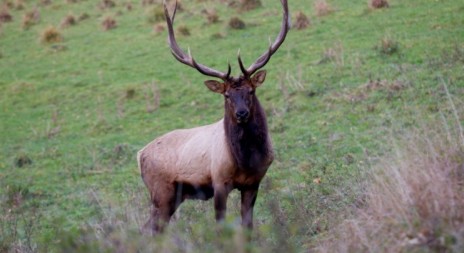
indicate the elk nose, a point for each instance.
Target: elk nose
{"x":242,"y":114}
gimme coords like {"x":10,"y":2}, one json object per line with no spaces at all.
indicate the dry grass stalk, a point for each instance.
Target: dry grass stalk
{"x":322,"y":8}
{"x":378,"y":4}
{"x":108,"y":23}
{"x":302,"y":21}
{"x":152,"y":97}
{"x":69,"y":20}
{"x":30,"y":18}
{"x":51,"y":35}
{"x":413,"y":201}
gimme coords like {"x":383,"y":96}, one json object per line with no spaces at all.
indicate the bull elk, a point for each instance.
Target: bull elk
{"x":212,"y":160}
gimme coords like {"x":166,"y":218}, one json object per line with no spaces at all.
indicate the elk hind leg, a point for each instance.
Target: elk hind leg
{"x":164,"y":204}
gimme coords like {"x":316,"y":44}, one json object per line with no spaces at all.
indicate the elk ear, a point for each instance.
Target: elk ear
{"x":215,"y":86}
{"x":258,"y":78}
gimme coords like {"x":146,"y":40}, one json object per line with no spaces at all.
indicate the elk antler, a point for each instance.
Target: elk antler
{"x":187,"y":59}
{"x":266,"y":56}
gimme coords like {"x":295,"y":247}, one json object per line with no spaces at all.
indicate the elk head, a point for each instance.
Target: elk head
{"x":239,"y":92}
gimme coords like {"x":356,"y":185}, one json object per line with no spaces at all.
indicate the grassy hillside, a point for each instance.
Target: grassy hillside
{"x":73,"y":114}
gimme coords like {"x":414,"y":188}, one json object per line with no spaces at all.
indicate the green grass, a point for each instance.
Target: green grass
{"x":66,"y":107}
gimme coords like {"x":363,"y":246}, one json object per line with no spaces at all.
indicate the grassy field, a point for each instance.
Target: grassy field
{"x":73,"y":114}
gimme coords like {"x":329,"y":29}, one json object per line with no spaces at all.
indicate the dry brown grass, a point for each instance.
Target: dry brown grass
{"x":247,"y":5}
{"x":30,"y":18}
{"x":51,"y":35}
{"x":322,"y":8}
{"x":5,"y":15}
{"x":183,"y":30}
{"x":108,"y":23}
{"x":378,"y":4}
{"x":388,"y":45}
{"x":19,"y":5}
{"x":159,"y":28}
{"x":211,"y":16}
{"x":236,"y":23}
{"x":302,"y":21}
{"x":83,"y":16}
{"x":106,"y":4}
{"x":68,"y":21}
{"x":413,"y":200}
{"x":155,"y":14}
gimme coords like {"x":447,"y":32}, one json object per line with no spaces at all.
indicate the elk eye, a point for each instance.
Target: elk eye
{"x":252,"y":92}
{"x":226,"y":95}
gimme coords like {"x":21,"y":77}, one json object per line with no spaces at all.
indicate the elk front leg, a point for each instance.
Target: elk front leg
{"x":220,"y":200}
{"x":248,"y":202}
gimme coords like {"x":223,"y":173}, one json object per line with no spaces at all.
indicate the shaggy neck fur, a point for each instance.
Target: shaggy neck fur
{"x":248,"y":142}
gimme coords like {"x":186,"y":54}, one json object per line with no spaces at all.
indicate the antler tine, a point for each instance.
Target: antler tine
{"x":266,"y":56}
{"x":240,"y":63}
{"x":184,"y":58}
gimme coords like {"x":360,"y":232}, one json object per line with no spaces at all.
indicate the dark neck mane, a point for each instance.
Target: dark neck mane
{"x":249,"y":142}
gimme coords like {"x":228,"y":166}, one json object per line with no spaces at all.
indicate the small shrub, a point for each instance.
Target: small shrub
{"x":158,"y":28}
{"x":108,"y":23}
{"x":148,"y":2}
{"x":16,"y":194}
{"x":217,"y":36}
{"x":322,"y":8}
{"x":22,"y":160}
{"x":378,"y":4}
{"x":388,"y":46}
{"x":302,"y":21}
{"x":212,"y":16}
{"x":19,"y":5}
{"x":30,"y":18}
{"x":183,"y":30}
{"x":51,"y":35}
{"x":236,"y":23}
{"x":247,"y":5}
{"x":5,"y":15}
{"x":45,"y":2}
{"x":129,"y":6}
{"x":156,"y":14}
{"x":83,"y":16}
{"x":106,"y":4}
{"x":69,"y":20}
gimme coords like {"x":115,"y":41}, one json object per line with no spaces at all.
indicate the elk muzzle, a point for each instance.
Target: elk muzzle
{"x":242,"y":115}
